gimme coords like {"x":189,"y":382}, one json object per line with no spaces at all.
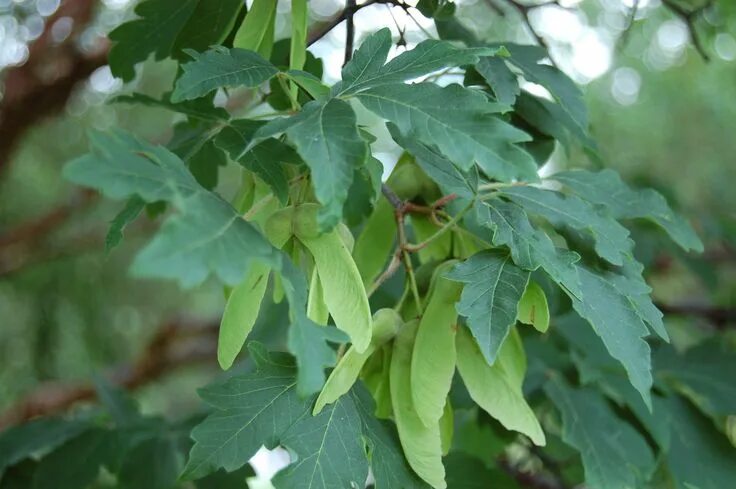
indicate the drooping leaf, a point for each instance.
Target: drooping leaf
{"x":205,"y":163}
{"x":331,"y":450}
{"x":607,"y":189}
{"x":622,"y":330}
{"x":422,"y":444}
{"x":612,"y":240}
{"x":250,"y":410}
{"x":490,"y":298}
{"x":530,"y":248}
{"x":127,"y":215}
{"x":206,"y":236}
{"x":209,"y":25}
{"x":327,"y":138}
{"x":449,"y":177}
{"x":699,"y":455}
{"x":704,"y":374}
{"x":265,"y":159}
{"x":459,"y":121}
{"x":500,"y":78}
{"x":221,"y":67}
{"x":367,"y":68}
{"x":328,"y":448}
{"x":563,"y":89}
{"x":497,"y":388}
{"x":155,"y":31}
{"x":614,"y":454}
{"x":22,"y":441}
{"x":388,"y":463}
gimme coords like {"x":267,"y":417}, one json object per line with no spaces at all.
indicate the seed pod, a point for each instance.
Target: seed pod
{"x":422,"y":444}
{"x":342,"y":286}
{"x":447,"y":427}
{"x":316,"y":308}
{"x":533,"y":307}
{"x":497,"y":388}
{"x":386,"y":323}
{"x":241,"y":313}
{"x":433,"y":358}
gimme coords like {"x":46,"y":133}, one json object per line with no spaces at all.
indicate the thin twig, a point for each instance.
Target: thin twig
{"x":349,"y":30}
{"x":689,"y":17}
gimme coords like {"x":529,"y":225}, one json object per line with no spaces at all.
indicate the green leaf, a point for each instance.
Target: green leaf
{"x":221,"y":67}
{"x":497,"y":388}
{"x":257,"y":30}
{"x":562,"y":88}
{"x":490,"y":299}
{"x":22,"y":441}
{"x":227,"y":480}
{"x":530,"y":248}
{"x":96,"y":448}
{"x":328,"y":449}
{"x":466,"y":472}
{"x":326,"y":137}
{"x":607,"y":189}
{"x":459,"y":121}
{"x":299,"y":24}
{"x":500,"y":78}
{"x":200,"y":108}
{"x":241,"y":312}
{"x":614,"y":454}
{"x":433,"y":354}
{"x":533,"y":307}
{"x":265,"y":159}
{"x":209,"y":25}
{"x":155,"y":31}
{"x":127,"y":215}
{"x":704,"y":374}
{"x":422,"y":444}
{"x":249,"y":411}
{"x":449,"y":177}
{"x":388,"y":463}
{"x":206,"y":236}
{"x":618,"y":324}
{"x":699,"y":455}
{"x":205,"y":163}
{"x":612,"y":241}
{"x":154,"y":463}
{"x":366,"y":69}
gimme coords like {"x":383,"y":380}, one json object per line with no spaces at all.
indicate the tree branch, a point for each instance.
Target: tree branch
{"x":175,"y":344}
{"x":720,"y":317}
{"x":43,"y":84}
{"x":349,"y":31}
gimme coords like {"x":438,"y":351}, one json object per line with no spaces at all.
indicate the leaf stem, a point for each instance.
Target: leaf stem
{"x":292,"y":98}
{"x":411,"y":248}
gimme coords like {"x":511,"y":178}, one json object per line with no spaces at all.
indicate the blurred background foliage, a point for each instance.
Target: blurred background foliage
{"x":661,"y":115}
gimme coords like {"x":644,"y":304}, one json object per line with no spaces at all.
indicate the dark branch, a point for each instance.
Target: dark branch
{"x":349,"y":30}
{"x":43,"y":84}
{"x":720,"y":317}
{"x":176,"y":344}
{"x":689,"y":17}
